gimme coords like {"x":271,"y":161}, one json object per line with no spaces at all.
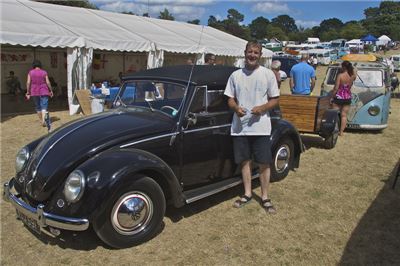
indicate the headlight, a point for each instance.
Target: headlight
{"x":21,"y":159}
{"x":374,"y":110}
{"x":74,"y":186}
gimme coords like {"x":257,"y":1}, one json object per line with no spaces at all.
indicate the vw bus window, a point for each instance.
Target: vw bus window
{"x":369,"y":79}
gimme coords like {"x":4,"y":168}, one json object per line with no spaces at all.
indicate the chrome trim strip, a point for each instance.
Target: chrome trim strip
{"x":63,"y":136}
{"x":215,"y":191}
{"x":206,"y":128}
{"x":43,"y":218}
{"x":373,"y":126}
{"x":148,"y":139}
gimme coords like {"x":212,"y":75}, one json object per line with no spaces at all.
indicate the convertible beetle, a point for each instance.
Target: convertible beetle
{"x":165,"y":141}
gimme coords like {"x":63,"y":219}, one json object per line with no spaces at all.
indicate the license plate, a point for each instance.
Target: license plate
{"x":31,"y":223}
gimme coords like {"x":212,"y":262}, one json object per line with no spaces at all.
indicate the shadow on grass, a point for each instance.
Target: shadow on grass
{"x":85,"y":240}
{"x":198,"y":206}
{"x":376,"y":239}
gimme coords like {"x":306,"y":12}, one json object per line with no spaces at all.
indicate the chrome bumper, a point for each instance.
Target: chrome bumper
{"x":44,"y":219}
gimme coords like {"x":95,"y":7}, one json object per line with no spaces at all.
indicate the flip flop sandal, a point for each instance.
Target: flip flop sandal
{"x":267,"y":206}
{"x":242,"y":201}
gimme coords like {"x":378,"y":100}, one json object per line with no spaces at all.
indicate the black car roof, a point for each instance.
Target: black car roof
{"x":202,"y":74}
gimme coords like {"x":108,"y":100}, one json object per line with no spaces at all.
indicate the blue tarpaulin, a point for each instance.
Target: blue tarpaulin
{"x":369,"y":38}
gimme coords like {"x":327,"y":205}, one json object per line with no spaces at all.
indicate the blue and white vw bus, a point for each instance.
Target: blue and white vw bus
{"x":370,"y":93}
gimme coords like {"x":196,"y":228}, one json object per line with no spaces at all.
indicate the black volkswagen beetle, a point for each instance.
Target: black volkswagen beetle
{"x":165,"y":141}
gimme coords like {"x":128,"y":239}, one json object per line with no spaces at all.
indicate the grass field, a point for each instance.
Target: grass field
{"x":337,"y":208}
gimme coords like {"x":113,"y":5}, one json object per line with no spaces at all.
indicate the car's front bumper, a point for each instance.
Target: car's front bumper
{"x":38,"y":214}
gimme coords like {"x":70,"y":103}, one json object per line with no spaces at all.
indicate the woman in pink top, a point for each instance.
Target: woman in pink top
{"x":342,"y":92}
{"x":39,"y":88}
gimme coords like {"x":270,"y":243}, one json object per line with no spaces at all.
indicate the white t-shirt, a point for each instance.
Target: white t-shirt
{"x":250,"y":89}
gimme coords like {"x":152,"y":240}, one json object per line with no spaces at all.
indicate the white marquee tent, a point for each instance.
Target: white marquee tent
{"x":383,"y":40}
{"x":80,"y":30}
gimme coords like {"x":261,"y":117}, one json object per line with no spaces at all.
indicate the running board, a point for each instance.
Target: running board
{"x":203,"y":192}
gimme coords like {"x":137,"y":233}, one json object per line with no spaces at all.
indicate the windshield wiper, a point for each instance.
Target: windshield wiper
{"x":365,"y":85}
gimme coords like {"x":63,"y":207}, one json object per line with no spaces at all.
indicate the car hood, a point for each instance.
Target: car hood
{"x":64,"y":149}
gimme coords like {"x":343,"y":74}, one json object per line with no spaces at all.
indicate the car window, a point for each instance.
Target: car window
{"x":159,"y":95}
{"x":331,"y":76}
{"x":208,"y":101}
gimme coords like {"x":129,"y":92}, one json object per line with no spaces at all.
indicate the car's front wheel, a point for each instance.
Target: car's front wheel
{"x":282,"y":156}
{"x":133,"y":215}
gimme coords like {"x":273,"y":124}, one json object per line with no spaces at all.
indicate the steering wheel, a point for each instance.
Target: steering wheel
{"x":174,"y":111}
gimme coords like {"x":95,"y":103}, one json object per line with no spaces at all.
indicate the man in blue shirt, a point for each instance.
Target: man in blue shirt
{"x":302,"y":77}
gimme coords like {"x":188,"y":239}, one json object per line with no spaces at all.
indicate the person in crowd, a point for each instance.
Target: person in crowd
{"x":189,"y":61}
{"x":302,"y":77}
{"x":252,"y":92}
{"x":39,"y":89}
{"x":13,"y":84}
{"x":276,"y":66}
{"x":209,"y":59}
{"x":314,"y":62}
{"x":341,"y":93}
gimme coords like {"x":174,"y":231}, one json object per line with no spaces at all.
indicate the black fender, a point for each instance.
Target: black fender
{"x":108,"y":171}
{"x":281,"y":129}
{"x":328,"y":122}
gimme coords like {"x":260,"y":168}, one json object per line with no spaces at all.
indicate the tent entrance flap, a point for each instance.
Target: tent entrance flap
{"x":79,"y":71}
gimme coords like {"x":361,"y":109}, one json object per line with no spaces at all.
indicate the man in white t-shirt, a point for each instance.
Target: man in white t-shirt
{"x":252,"y":91}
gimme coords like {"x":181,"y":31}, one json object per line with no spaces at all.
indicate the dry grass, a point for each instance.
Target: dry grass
{"x":337,"y":208}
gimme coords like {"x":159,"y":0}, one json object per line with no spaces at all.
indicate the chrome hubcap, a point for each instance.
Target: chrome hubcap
{"x":282,"y":158}
{"x":132,"y":213}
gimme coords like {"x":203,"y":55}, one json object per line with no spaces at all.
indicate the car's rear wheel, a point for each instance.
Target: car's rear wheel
{"x":282,"y":156}
{"x":133,"y":215}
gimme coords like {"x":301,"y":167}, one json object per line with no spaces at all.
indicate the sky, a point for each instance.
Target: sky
{"x":307,"y":14}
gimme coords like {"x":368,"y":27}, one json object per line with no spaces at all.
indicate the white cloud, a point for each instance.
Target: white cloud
{"x":271,"y":8}
{"x":182,"y":12}
{"x":307,"y":23}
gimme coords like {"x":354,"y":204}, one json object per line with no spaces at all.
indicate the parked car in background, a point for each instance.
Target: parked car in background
{"x":287,"y":62}
{"x":168,"y":143}
{"x":396,"y":62}
{"x":371,"y":92}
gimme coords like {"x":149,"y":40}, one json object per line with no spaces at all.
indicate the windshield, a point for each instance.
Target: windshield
{"x":155,"y":95}
{"x":365,"y":78}
{"x":369,"y":78}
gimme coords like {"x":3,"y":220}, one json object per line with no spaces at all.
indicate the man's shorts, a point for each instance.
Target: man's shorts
{"x":256,"y":148}
{"x":41,"y":103}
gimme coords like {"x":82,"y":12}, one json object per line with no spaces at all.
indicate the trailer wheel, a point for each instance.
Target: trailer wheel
{"x":330,"y":141}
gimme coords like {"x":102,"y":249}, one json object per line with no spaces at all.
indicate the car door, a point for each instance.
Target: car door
{"x":207,"y":146}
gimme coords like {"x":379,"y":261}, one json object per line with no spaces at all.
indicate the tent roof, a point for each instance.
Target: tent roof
{"x":47,"y":25}
{"x":384,"y":38}
{"x":369,"y":38}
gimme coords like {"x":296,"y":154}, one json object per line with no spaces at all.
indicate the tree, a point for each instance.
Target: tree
{"x":166,"y":15}
{"x":383,"y":20}
{"x":195,"y":21}
{"x":76,"y":3}
{"x":352,"y":31}
{"x":258,"y":28}
{"x":329,"y":35}
{"x":276,"y":32}
{"x":371,"y":12}
{"x":235,"y":15}
{"x":146,"y":15}
{"x":331,"y":24}
{"x":286,"y":23}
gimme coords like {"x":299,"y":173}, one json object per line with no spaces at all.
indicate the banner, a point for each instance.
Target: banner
{"x":14,"y":58}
